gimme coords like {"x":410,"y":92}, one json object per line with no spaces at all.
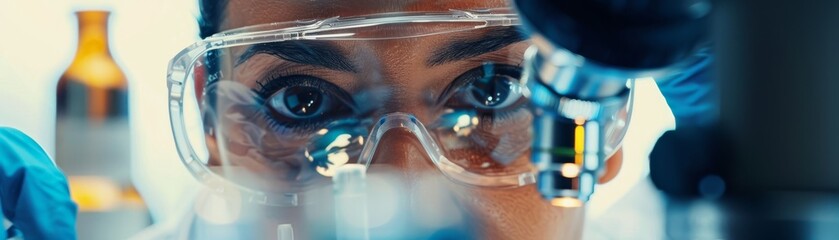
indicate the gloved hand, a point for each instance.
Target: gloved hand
{"x":692,"y":94}
{"x":33,"y":193}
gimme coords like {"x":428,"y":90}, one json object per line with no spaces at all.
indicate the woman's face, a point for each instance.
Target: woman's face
{"x":414,"y":72}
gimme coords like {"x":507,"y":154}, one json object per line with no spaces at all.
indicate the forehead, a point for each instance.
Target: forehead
{"x":240,"y":13}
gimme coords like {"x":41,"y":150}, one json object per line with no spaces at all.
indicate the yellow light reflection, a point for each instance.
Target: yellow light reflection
{"x":308,"y":156}
{"x":570,"y":170}
{"x":567,"y":202}
{"x":93,"y":193}
{"x":579,"y":139}
{"x":463,"y":120}
{"x":341,"y":141}
{"x":336,"y":160}
{"x":462,"y":125}
{"x":323,"y":131}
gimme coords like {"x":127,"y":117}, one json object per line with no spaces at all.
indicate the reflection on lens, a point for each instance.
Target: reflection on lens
{"x":298,"y":101}
{"x":334,"y":146}
{"x":485,"y":143}
{"x":283,"y":126}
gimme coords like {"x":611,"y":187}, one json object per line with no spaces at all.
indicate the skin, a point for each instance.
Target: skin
{"x":519,"y":213}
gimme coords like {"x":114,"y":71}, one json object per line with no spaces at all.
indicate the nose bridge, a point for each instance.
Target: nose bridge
{"x":399,"y":145}
{"x":400,"y":70}
{"x":399,"y":96}
{"x":408,"y":100}
{"x":403,"y":150}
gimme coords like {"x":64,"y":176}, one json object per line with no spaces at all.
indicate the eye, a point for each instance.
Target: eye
{"x":497,"y":91}
{"x":299,"y":102}
{"x":491,"y":87}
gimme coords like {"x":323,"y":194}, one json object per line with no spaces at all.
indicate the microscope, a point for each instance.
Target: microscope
{"x":587,"y":51}
{"x":751,"y":85}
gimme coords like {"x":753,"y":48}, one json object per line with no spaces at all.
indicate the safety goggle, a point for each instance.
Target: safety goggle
{"x":276,"y":108}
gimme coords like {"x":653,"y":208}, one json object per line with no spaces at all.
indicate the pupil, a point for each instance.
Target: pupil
{"x":491,"y":90}
{"x":303,"y":101}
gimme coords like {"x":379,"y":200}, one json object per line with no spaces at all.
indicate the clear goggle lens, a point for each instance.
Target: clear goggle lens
{"x":280,"y":116}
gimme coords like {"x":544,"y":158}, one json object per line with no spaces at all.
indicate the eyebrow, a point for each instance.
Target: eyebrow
{"x":493,"y":40}
{"x":316,"y":53}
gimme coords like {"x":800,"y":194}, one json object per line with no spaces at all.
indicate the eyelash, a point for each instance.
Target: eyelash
{"x":494,"y":57}
{"x":486,"y":115}
{"x":276,"y":81}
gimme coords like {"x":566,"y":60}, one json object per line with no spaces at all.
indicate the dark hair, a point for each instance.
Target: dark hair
{"x":212,"y":13}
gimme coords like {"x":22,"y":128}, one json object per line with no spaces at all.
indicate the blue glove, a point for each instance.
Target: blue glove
{"x":683,"y":157}
{"x":33,"y":192}
{"x":692,"y":94}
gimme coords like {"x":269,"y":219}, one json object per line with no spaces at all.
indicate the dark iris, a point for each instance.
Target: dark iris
{"x":491,"y":90}
{"x":303,"y":101}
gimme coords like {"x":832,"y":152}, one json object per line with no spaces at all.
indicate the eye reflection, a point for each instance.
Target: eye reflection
{"x":302,"y":104}
{"x":485,"y":143}
{"x":488,"y":88}
{"x":484,"y":126}
{"x":301,"y":101}
{"x":298,"y":101}
{"x":460,"y":122}
{"x":492,"y":89}
{"x":335,"y":146}
{"x":335,"y":159}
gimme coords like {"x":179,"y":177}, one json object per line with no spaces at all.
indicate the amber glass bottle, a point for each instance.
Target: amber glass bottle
{"x":92,"y":135}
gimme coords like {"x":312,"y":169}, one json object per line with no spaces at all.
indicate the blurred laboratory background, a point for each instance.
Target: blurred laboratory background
{"x":40,"y":41}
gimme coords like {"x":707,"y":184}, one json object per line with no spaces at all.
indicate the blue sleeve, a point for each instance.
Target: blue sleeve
{"x":33,"y":193}
{"x":692,"y":94}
